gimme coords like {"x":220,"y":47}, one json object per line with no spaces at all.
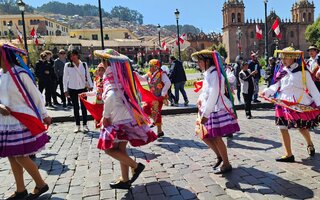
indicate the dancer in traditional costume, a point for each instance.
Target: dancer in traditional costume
{"x":216,"y":115}
{"x":295,"y":89}
{"x":22,"y":114}
{"x":123,"y":119}
{"x":159,"y":84}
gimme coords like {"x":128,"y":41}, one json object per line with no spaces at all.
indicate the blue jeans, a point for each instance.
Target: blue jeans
{"x":180,"y":87}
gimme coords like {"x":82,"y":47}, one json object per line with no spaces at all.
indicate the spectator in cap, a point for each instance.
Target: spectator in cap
{"x":247,"y":87}
{"x":270,"y":70}
{"x":58,"y":66}
{"x":255,"y":66}
{"x":237,"y":69}
{"x":313,"y":63}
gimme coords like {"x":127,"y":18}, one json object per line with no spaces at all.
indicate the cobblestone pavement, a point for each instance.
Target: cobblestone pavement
{"x":178,"y":166}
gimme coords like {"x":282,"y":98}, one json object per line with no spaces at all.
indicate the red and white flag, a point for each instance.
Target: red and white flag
{"x":182,"y":38}
{"x":259,"y":35}
{"x":276,"y":29}
{"x":33,"y":34}
{"x":19,"y":35}
{"x":164,"y":45}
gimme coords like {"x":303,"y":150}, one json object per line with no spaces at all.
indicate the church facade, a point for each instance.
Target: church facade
{"x":239,"y":34}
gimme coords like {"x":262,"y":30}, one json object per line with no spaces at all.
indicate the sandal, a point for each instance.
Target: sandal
{"x":18,"y":195}
{"x":223,"y":170}
{"x":39,"y":192}
{"x":219,"y":161}
{"x":311,"y":150}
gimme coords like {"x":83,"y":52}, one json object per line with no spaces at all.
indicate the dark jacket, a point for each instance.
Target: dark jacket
{"x":44,"y":71}
{"x":254,"y":65}
{"x":177,"y":74}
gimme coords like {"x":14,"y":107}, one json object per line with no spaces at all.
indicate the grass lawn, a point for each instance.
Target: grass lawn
{"x":191,"y":71}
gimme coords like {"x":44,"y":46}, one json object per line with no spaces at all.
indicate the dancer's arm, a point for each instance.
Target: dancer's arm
{"x":313,"y":90}
{"x":167,"y":84}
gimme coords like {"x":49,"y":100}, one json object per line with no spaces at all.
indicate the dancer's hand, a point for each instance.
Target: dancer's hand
{"x":90,"y":89}
{"x":4,"y":110}
{"x":199,"y":103}
{"x":204,"y":120}
{"x":82,"y":95}
{"x":47,"y":120}
{"x":66,"y":94}
{"x":165,"y":102}
{"x":106,"y":122}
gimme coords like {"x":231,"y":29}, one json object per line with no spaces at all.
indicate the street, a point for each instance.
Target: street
{"x":178,"y":166}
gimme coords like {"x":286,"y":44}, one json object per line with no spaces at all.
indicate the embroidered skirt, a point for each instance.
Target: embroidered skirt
{"x":17,"y":140}
{"x":153,"y":110}
{"x":125,"y":131}
{"x":220,"y":124}
{"x":286,"y":118}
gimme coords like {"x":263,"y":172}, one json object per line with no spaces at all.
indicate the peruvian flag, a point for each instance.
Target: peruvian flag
{"x":164,"y":46}
{"x":259,"y":35}
{"x":182,"y":38}
{"x":19,"y":35}
{"x":33,"y":34}
{"x":276,"y":29}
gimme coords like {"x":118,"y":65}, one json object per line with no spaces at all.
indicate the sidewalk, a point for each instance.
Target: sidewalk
{"x":64,"y":115}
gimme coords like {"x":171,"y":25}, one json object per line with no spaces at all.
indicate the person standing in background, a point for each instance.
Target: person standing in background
{"x":255,"y":66}
{"x":58,"y":66}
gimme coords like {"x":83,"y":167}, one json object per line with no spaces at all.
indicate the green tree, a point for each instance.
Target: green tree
{"x":183,"y":28}
{"x":221,"y":49}
{"x":125,"y":14}
{"x":312,"y":33}
{"x":11,"y":7}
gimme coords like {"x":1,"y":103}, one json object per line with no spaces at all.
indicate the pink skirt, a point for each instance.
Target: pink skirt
{"x":286,"y":118}
{"x":126,"y":131}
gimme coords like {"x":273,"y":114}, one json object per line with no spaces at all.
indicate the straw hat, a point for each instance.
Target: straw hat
{"x":313,"y":47}
{"x":289,"y":52}
{"x":204,"y":54}
{"x":110,"y":54}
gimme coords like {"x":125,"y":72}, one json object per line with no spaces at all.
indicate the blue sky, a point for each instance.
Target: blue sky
{"x":204,"y":14}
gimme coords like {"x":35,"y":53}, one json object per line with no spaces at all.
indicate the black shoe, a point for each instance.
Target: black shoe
{"x":57,"y":104}
{"x":69,"y":104}
{"x":286,"y":159}
{"x":32,"y":156}
{"x":223,"y":170}
{"x":256,"y":101}
{"x":64,"y":105}
{"x":152,"y":125}
{"x":120,"y":185}
{"x":186,"y":103}
{"x":311,"y":150}
{"x":40,"y":191}
{"x":136,"y":172}
{"x":249,"y":117}
{"x":51,"y":106}
{"x":160,"y":134}
{"x":219,"y":161}
{"x":18,"y":195}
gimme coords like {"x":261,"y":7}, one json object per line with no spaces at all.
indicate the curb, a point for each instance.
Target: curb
{"x":176,"y":111}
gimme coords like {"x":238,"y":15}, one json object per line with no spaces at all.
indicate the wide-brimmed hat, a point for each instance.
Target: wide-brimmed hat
{"x":202,"y":55}
{"x":62,"y":51}
{"x":110,"y":54}
{"x":47,"y":52}
{"x":289,"y":52}
{"x":313,"y":47}
{"x":12,"y":47}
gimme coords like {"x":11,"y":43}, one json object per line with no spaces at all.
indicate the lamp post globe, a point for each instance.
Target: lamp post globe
{"x":22,"y":8}
{"x":177,"y":14}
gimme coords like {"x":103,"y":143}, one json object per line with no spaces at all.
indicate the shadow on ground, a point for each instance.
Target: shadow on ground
{"x":139,"y":192}
{"x":175,"y":145}
{"x":267,"y":184}
{"x":231,"y":142}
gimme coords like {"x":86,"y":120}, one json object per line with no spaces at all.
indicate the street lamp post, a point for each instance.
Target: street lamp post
{"x":266,"y":31}
{"x":22,"y":7}
{"x":101,"y":25}
{"x":92,"y":54}
{"x":254,"y":46}
{"x":239,"y":35}
{"x":177,"y":14}
{"x":159,"y":29}
{"x":9,"y":25}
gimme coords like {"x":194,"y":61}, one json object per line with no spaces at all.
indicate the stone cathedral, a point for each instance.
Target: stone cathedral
{"x":292,"y":30}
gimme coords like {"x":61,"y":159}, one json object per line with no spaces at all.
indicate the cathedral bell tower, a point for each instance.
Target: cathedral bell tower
{"x":303,"y":12}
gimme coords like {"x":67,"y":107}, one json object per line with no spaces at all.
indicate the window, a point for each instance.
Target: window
{"x":291,"y":34}
{"x":106,"y":37}
{"x":4,"y":23}
{"x":47,"y":32}
{"x":252,"y":34}
{"x":233,"y":17}
{"x":46,"y":22}
{"x":94,"y":37}
{"x":0,"y":33}
{"x":239,"y":17}
{"x":202,"y":46}
{"x":5,"y":32}
{"x":20,"y":23}
{"x":304,"y":16}
{"x":309,"y":17}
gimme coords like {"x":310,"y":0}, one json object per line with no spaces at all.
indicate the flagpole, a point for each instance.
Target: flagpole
{"x":265,"y":31}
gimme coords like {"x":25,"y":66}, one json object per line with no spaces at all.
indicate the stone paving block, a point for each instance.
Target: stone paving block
{"x":61,"y":189}
{"x":154,"y":189}
{"x":216,"y":190}
{"x":91,"y":191}
{"x":170,"y":190}
{"x":187,"y":194}
{"x":206,"y":196}
{"x":157,"y":197}
{"x":107,"y":194}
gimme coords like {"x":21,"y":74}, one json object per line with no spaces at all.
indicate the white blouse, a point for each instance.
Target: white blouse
{"x":13,"y":99}
{"x":210,"y":97}
{"x":290,"y":87}
{"x":75,"y":77}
